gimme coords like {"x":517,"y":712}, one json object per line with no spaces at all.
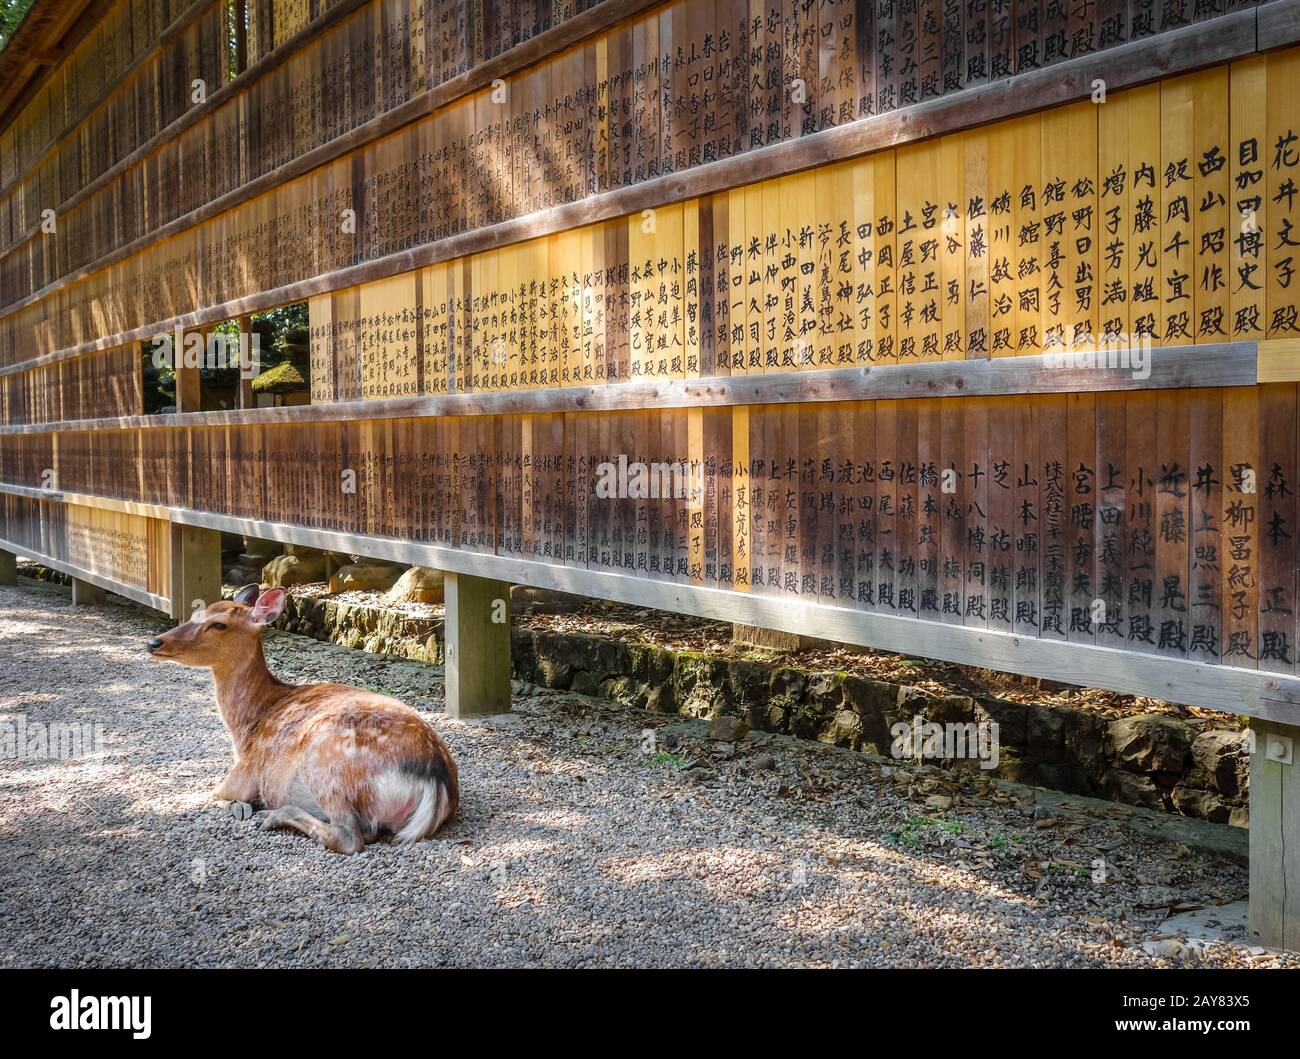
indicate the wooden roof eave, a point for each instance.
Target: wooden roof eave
{"x":43,"y":38}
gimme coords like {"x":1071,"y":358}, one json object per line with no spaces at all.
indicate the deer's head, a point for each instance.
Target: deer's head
{"x":222,"y":633}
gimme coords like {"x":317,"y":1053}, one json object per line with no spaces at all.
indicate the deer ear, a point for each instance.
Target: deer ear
{"x":247,"y":595}
{"x":269,"y":606}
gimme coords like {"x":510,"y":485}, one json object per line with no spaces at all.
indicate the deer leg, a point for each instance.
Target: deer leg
{"x":237,"y":793}
{"x":238,"y":786}
{"x":340,"y":837}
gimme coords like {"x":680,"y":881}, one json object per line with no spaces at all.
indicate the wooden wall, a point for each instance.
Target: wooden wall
{"x":845,"y":362}
{"x":1009,"y":513}
{"x":1167,"y":214}
{"x":86,"y":387}
{"x":682,"y":85}
{"x":128,"y":553}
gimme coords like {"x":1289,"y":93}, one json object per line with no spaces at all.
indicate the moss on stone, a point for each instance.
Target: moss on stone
{"x":279,"y":379}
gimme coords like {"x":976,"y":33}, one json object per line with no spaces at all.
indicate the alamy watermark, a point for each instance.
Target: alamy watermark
{"x":26,"y":740}
{"x":215,"y":351}
{"x":1113,"y":351}
{"x":93,"y":1012}
{"x":953,"y":741}
{"x":637,"y":480}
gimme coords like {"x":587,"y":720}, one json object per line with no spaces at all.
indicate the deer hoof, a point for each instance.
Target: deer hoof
{"x":241,"y":810}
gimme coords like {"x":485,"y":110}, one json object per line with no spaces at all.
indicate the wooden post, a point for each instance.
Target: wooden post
{"x":244,"y":387}
{"x":1275,"y":836}
{"x":477,"y":648}
{"x":84,"y":594}
{"x":8,"y":568}
{"x":189,"y":383}
{"x":774,"y":640}
{"x":195,"y":569}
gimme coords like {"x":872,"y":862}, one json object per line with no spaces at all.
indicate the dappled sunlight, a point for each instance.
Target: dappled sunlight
{"x":722,"y":872}
{"x":571,"y":846}
{"x":18,"y":700}
{"x":30,"y":628}
{"x":557,"y":819}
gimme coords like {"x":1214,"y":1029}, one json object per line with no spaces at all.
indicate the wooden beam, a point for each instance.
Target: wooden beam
{"x":244,"y":396}
{"x":477,"y":645}
{"x":241,"y":35}
{"x":1170,"y":367}
{"x":1279,"y":25}
{"x":189,"y":387}
{"x":1257,"y":693}
{"x":8,"y":567}
{"x":105,"y":503}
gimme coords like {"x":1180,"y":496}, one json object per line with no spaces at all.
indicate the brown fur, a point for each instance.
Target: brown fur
{"x":310,"y":751}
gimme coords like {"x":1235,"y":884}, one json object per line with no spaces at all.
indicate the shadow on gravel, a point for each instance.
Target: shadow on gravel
{"x":568,"y":850}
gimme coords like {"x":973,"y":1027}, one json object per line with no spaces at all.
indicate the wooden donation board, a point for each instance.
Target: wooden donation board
{"x":113,"y":548}
{"x":955,"y":328}
{"x":748,"y":309}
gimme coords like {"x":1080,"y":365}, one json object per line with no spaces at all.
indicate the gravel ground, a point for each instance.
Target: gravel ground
{"x":574,"y":847}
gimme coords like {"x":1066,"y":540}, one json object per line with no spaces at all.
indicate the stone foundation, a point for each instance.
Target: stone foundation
{"x":367,"y":628}
{"x":1152,"y":760}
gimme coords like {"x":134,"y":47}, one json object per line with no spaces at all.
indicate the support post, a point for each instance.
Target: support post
{"x":1275,"y":835}
{"x":84,"y":594}
{"x":477,"y":645}
{"x":188,"y":389}
{"x":772,"y":640}
{"x":195,"y":570}
{"x":245,"y":398}
{"x":189,"y":383}
{"x":8,"y":568}
{"x":241,"y":36}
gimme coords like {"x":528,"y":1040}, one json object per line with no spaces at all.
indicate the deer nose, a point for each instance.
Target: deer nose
{"x":154,"y":644}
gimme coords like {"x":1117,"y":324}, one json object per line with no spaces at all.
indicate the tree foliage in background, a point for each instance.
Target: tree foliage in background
{"x":11,"y":14}
{"x":282,"y":334}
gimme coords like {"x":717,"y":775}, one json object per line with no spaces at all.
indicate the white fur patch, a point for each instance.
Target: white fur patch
{"x":410,"y":807}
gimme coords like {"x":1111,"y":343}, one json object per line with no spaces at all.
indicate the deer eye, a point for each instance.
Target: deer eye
{"x":220,"y":626}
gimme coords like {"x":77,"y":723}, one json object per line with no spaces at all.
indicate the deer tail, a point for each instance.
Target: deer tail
{"x":437,"y":794}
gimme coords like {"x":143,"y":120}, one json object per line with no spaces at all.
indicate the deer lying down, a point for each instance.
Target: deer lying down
{"x":341,"y":765}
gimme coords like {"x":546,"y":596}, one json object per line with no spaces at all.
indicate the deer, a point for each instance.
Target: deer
{"x":341,"y":765}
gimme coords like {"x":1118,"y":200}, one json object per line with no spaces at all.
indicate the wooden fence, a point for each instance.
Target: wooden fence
{"x":966,"y":328}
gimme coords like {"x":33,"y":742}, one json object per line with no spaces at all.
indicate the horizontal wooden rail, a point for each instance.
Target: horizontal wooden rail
{"x":1194,"y":47}
{"x":1255,"y":693}
{"x":104,"y":503}
{"x":139,"y":595}
{"x":1170,"y":368}
{"x":1279,"y":25}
